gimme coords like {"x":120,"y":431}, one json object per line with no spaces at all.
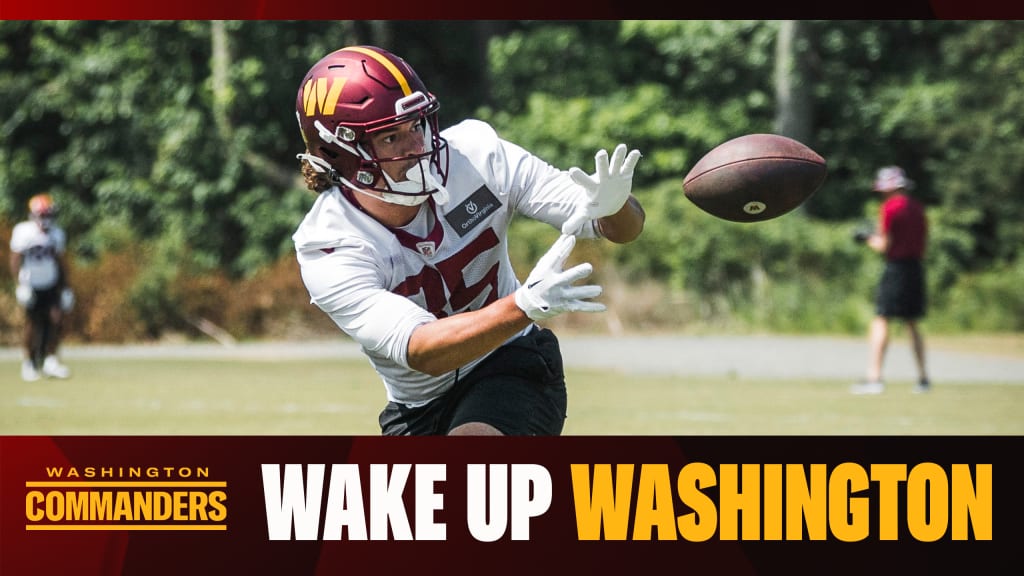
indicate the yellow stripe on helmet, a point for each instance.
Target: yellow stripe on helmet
{"x":387,"y":64}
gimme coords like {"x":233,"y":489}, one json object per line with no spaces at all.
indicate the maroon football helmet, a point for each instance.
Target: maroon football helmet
{"x":356,"y":91}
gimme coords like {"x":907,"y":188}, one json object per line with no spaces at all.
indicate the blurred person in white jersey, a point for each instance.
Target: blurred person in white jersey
{"x":37,"y":264}
{"x":406,"y":248}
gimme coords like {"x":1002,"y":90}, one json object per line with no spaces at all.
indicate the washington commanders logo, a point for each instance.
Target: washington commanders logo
{"x":317,"y":95}
{"x":126,"y":498}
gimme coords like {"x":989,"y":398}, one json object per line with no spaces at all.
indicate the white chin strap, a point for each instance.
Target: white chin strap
{"x":319,"y":164}
{"x":412,"y":184}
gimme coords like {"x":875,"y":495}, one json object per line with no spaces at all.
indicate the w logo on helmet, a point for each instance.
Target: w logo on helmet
{"x":318,"y":96}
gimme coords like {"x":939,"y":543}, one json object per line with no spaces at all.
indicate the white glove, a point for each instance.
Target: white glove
{"x":67,"y":300}
{"x":25,"y":295}
{"x":548,"y":290}
{"x":607,"y":190}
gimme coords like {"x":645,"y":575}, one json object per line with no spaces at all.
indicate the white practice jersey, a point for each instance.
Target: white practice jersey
{"x":379,"y":284}
{"x":40,"y":250}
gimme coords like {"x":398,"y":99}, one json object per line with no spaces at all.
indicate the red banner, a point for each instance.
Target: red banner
{"x":597,"y":505}
{"x":524,"y":9}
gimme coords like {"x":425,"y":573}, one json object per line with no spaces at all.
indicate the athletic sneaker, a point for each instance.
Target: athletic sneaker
{"x":54,"y":369}
{"x":28,"y":371}
{"x":923,"y":386}
{"x":873,"y":387}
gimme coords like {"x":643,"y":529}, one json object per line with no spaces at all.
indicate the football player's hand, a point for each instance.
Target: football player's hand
{"x":25,"y":295}
{"x":863,"y":231}
{"x":67,"y":300}
{"x":548,"y":290}
{"x":607,"y":190}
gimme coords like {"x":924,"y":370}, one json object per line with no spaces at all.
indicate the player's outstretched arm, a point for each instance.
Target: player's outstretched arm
{"x":625,"y":225}
{"x":443,"y":345}
{"x":608,"y":197}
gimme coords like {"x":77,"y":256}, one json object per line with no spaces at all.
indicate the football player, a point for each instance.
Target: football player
{"x":406,"y":248}
{"x":37,"y":263}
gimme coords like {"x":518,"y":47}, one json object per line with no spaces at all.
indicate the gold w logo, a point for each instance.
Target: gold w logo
{"x":317,"y":95}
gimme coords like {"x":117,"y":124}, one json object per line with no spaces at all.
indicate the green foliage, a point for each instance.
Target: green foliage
{"x":121,"y":123}
{"x":892,"y":92}
{"x":151,"y":295}
{"x":658,"y":86}
{"x":521,"y":62}
{"x":782,"y":274}
{"x":158,"y":158}
{"x":986,"y":301}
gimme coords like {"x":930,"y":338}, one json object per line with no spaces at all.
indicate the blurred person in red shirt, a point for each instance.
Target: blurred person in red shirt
{"x":901,"y":236}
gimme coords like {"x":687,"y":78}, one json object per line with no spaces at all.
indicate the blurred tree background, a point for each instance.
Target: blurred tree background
{"x":170,"y":148}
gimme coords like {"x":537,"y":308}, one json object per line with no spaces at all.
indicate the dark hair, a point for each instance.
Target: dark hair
{"x":315,"y":181}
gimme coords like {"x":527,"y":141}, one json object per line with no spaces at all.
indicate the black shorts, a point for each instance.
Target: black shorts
{"x":901,"y":292}
{"x":519,"y":389}
{"x":45,"y":301}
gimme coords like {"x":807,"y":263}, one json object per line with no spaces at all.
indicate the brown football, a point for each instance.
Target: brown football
{"x":755,"y":177}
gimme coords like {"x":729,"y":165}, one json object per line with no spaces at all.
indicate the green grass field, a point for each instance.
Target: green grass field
{"x":343,"y":397}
